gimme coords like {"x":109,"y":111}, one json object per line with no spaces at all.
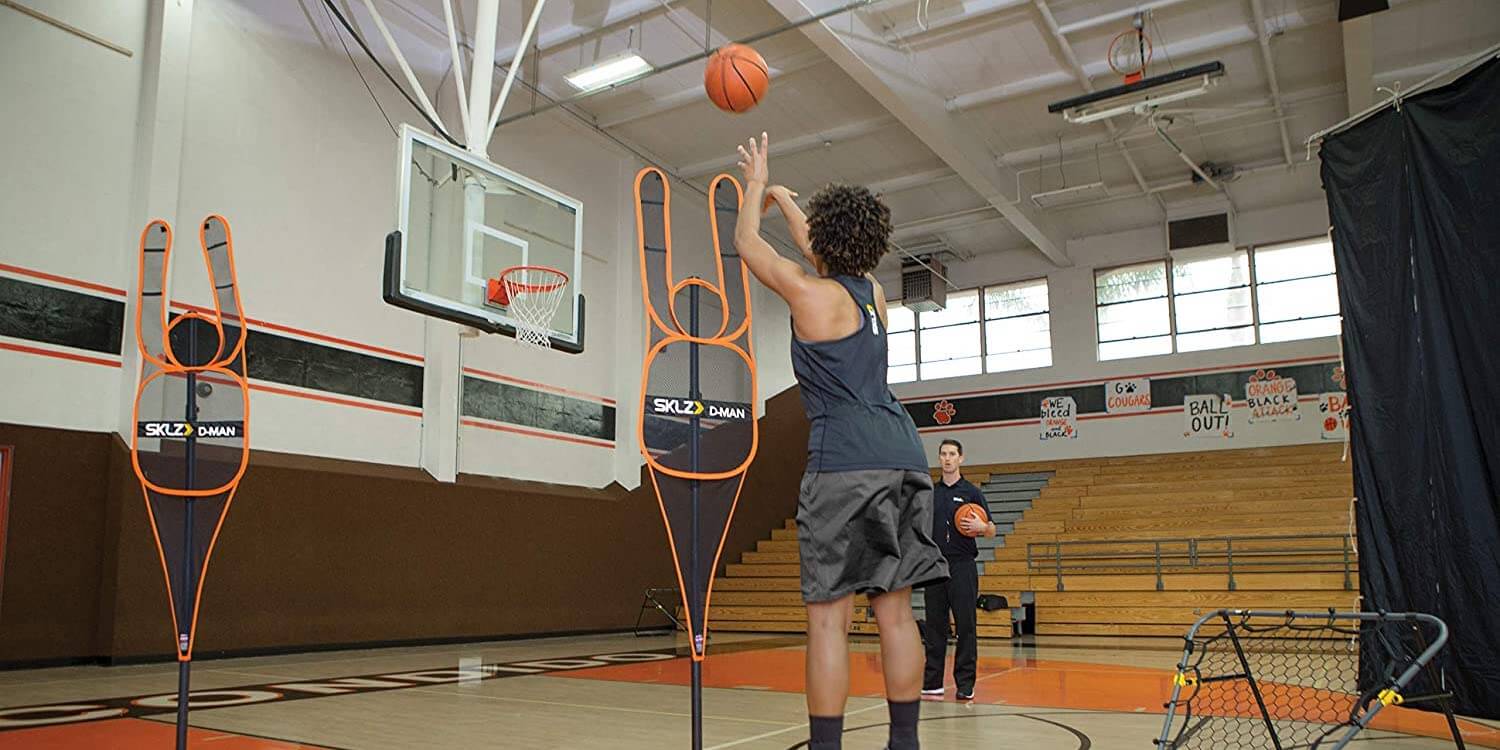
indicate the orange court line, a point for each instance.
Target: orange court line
{"x":1015,"y":682}
{"x":133,"y":734}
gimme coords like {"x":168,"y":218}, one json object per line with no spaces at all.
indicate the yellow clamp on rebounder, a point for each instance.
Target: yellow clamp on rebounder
{"x":1390,"y":697}
{"x":1181,"y":679}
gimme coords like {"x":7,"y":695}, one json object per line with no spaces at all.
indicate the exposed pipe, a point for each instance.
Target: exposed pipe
{"x":1119,"y":15}
{"x":1270,"y":63}
{"x":1161,"y":131}
{"x":845,"y":8}
{"x":1396,"y":99}
{"x":69,"y":28}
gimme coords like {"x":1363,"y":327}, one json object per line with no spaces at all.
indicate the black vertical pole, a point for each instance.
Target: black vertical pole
{"x":699,"y":639}
{"x":183,"y":598}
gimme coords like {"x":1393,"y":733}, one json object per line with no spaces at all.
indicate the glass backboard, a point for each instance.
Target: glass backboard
{"x":462,"y":221}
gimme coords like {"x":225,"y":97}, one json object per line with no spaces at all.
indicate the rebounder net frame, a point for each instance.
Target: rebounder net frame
{"x":1303,"y":680}
{"x":697,"y":431}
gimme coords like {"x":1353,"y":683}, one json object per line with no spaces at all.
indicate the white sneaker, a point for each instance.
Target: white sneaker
{"x":932,"y":691}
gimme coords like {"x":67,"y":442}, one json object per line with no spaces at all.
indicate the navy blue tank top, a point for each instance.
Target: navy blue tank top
{"x":856,"y":422}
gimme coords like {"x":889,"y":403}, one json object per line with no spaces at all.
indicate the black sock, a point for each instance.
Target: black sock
{"x":827,"y":732}
{"x":904,"y":718}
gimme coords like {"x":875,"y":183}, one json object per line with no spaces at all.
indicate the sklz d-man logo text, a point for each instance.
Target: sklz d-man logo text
{"x":686,"y":407}
{"x":161,"y":429}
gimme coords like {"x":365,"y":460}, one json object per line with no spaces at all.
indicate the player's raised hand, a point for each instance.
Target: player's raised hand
{"x":753,"y":160}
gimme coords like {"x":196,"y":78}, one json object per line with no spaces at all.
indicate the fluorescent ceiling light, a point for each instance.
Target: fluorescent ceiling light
{"x":608,"y":72}
{"x":1066,"y":196}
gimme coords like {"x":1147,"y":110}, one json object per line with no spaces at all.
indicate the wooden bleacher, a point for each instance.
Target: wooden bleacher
{"x":1110,"y":517}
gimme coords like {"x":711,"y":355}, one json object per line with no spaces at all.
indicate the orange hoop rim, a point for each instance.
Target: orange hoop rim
{"x":529,"y":288}
{"x":1150,"y":52}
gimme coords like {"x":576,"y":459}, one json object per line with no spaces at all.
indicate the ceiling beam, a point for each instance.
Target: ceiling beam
{"x":659,"y":105}
{"x":1200,"y":45}
{"x":796,"y":145}
{"x":892,"y":78}
{"x":1105,"y":19}
{"x":1269,"y":62}
{"x":968,"y":12}
{"x":911,"y":180}
{"x":1359,"y":62}
{"x":935,"y":225}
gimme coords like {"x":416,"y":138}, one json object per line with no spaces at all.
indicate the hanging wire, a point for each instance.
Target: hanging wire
{"x":924,"y":15}
{"x":359,"y":72}
{"x":328,"y":6}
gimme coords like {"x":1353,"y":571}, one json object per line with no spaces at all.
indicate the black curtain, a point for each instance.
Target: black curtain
{"x":1414,"y":194}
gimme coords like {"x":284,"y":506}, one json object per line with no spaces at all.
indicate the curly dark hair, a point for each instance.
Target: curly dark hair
{"x":850,"y":228}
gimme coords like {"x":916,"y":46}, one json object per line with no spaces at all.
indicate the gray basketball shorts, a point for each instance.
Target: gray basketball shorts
{"x":867,"y":531}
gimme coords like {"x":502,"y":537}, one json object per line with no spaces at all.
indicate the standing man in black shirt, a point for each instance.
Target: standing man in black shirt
{"x":960,"y":593}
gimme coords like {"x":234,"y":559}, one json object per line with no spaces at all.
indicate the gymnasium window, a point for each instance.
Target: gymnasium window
{"x":1017,"y":326}
{"x":1134,"y":310}
{"x":1296,"y":290}
{"x":901,"y":340}
{"x":948,"y":339}
{"x":1012,"y":331}
{"x":1211,"y":301}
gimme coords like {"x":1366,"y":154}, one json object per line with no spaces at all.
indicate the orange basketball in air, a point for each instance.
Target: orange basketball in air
{"x":736,"y":78}
{"x":968,"y":510}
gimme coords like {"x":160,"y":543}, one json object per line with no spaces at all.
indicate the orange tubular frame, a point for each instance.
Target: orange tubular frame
{"x":673,"y":332}
{"x":167,"y":365}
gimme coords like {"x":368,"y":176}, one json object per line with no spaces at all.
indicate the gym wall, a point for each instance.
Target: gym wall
{"x":1010,"y":402}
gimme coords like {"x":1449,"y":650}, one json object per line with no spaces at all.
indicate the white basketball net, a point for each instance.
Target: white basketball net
{"x":534,"y":293}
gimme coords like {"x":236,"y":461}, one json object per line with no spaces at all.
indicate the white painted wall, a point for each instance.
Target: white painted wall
{"x":66,"y":137}
{"x":281,"y":137}
{"x":1074,"y":351}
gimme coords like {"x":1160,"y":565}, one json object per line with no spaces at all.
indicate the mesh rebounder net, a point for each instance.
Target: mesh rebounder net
{"x":725,"y":196}
{"x":1297,"y":680}
{"x":190,"y":447}
{"x":652,"y":227}
{"x":698,"y":396}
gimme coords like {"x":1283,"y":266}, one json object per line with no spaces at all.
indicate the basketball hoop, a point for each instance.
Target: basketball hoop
{"x":1130,"y":53}
{"x":531,"y":294}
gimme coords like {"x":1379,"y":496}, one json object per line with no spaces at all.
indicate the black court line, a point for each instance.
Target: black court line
{"x":169,"y":719}
{"x":293,"y":689}
{"x":1084,"y":743}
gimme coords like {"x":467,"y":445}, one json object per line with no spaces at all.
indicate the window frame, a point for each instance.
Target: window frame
{"x":979,"y":292}
{"x":984,"y":321}
{"x":1171,"y":333}
{"x":1254,"y":286}
{"x":1334,"y":274}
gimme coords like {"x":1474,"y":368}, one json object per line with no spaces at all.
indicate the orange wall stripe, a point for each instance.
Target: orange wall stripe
{"x":24,"y":349}
{"x":33,"y":273}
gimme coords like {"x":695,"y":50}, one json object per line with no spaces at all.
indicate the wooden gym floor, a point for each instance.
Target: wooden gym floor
{"x":616,"y":692}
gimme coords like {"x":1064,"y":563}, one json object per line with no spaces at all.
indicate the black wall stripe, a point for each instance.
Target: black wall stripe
{"x":61,"y":317}
{"x":295,"y":362}
{"x":289,"y":361}
{"x":1311,"y":379}
{"x":513,"y":404}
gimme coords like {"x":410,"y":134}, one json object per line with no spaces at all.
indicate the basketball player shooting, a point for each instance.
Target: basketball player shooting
{"x":864,"y":515}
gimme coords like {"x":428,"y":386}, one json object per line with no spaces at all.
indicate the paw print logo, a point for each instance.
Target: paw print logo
{"x":943,"y":412}
{"x":1340,"y":378}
